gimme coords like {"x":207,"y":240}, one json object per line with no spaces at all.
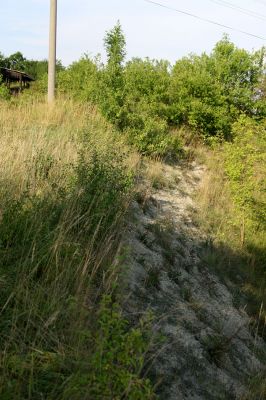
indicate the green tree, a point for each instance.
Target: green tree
{"x":81,"y":79}
{"x":2,"y":60}
{"x":146,"y":85}
{"x":115,"y":46}
{"x":238,"y":73}
{"x":112,"y":83}
{"x":38,"y":68}
{"x":210,"y":92}
{"x":16,"y":61}
{"x":196,"y":97}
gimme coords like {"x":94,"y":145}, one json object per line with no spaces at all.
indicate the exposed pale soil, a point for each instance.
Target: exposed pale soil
{"x":209,"y":351}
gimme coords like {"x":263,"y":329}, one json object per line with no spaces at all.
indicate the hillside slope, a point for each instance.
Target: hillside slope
{"x":209,"y":351}
{"x":65,"y":182}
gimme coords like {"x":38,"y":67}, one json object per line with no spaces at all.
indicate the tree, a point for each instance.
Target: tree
{"x":38,"y":68}
{"x":209,"y":92}
{"x":115,"y":46}
{"x":2,"y":60}
{"x":238,"y":73}
{"x":16,"y":61}
{"x":112,"y":85}
{"x":81,"y":79}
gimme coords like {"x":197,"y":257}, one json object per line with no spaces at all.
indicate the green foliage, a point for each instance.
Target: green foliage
{"x":257,"y":387}
{"x":103,"y":181}
{"x":233,"y":200}
{"x":4,"y":92}
{"x":16,"y":61}
{"x":41,"y":85}
{"x":80,"y":79}
{"x":244,"y":164}
{"x":38,"y":68}
{"x":97,"y":182}
{"x":2,"y":60}
{"x":111,"y":99}
{"x":210,"y":92}
{"x":146,"y":85}
{"x":150,"y":136}
{"x":245,"y":168}
{"x":146,"y":98}
{"x":116,"y":362}
{"x":115,"y":44}
{"x":238,"y":73}
{"x":111,"y":369}
{"x":61,"y":337}
{"x":35,"y":68}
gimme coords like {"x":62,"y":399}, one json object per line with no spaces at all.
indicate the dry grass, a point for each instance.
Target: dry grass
{"x":155,"y":174}
{"x":158,"y":175}
{"x":216,"y":207}
{"x":28,"y":129}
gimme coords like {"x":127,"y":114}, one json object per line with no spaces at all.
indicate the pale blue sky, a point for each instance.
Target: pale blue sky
{"x":150,"y":31}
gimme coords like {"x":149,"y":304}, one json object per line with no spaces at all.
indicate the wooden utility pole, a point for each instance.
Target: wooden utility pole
{"x":52,"y":51}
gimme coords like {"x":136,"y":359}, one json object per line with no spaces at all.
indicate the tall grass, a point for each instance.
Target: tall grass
{"x":228,"y":212}
{"x":65,"y":182}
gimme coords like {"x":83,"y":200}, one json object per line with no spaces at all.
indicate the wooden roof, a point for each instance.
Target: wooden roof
{"x":15,"y":76}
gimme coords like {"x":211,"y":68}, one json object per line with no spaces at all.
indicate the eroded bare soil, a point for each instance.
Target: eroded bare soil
{"x":209,"y":351}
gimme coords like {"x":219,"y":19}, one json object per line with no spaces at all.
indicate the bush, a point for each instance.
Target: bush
{"x":209,"y":93}
{"x":245,"y":167}
{"x":80,"y":79}
{"x":151,"y":137}
{"x":4,"y":93}
{"x":113,"y":370}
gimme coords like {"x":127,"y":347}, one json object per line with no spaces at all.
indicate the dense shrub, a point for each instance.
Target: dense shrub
{"x":151,"y":136}
{"x":4,"y":92}
{"x":80,"y":79}
{"x":210,"y":92}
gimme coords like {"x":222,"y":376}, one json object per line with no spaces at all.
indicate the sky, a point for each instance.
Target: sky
{"x":151,"y":31}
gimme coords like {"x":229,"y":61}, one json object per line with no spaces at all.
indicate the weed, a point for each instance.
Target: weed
{"x":152,"y":280}
{"x":257,"y":388}
{"x":164,"y":229}
{"x":174,"y":274}
{"x":186,"y":294}
{"x":217,"y":347}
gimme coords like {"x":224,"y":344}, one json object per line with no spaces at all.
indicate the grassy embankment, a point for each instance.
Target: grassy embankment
{"x":233,"y":213}
{"x":65,"y":182}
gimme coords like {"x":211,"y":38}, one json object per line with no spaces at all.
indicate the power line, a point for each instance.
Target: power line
{"x":204,"y":19}
{"x":238,"y":8}
{"x":261,"y":2}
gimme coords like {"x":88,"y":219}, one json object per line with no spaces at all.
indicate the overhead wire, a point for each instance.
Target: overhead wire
{"x":240,"y":9}
{"x":260,"y":1}
{"x":204,"y":19}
